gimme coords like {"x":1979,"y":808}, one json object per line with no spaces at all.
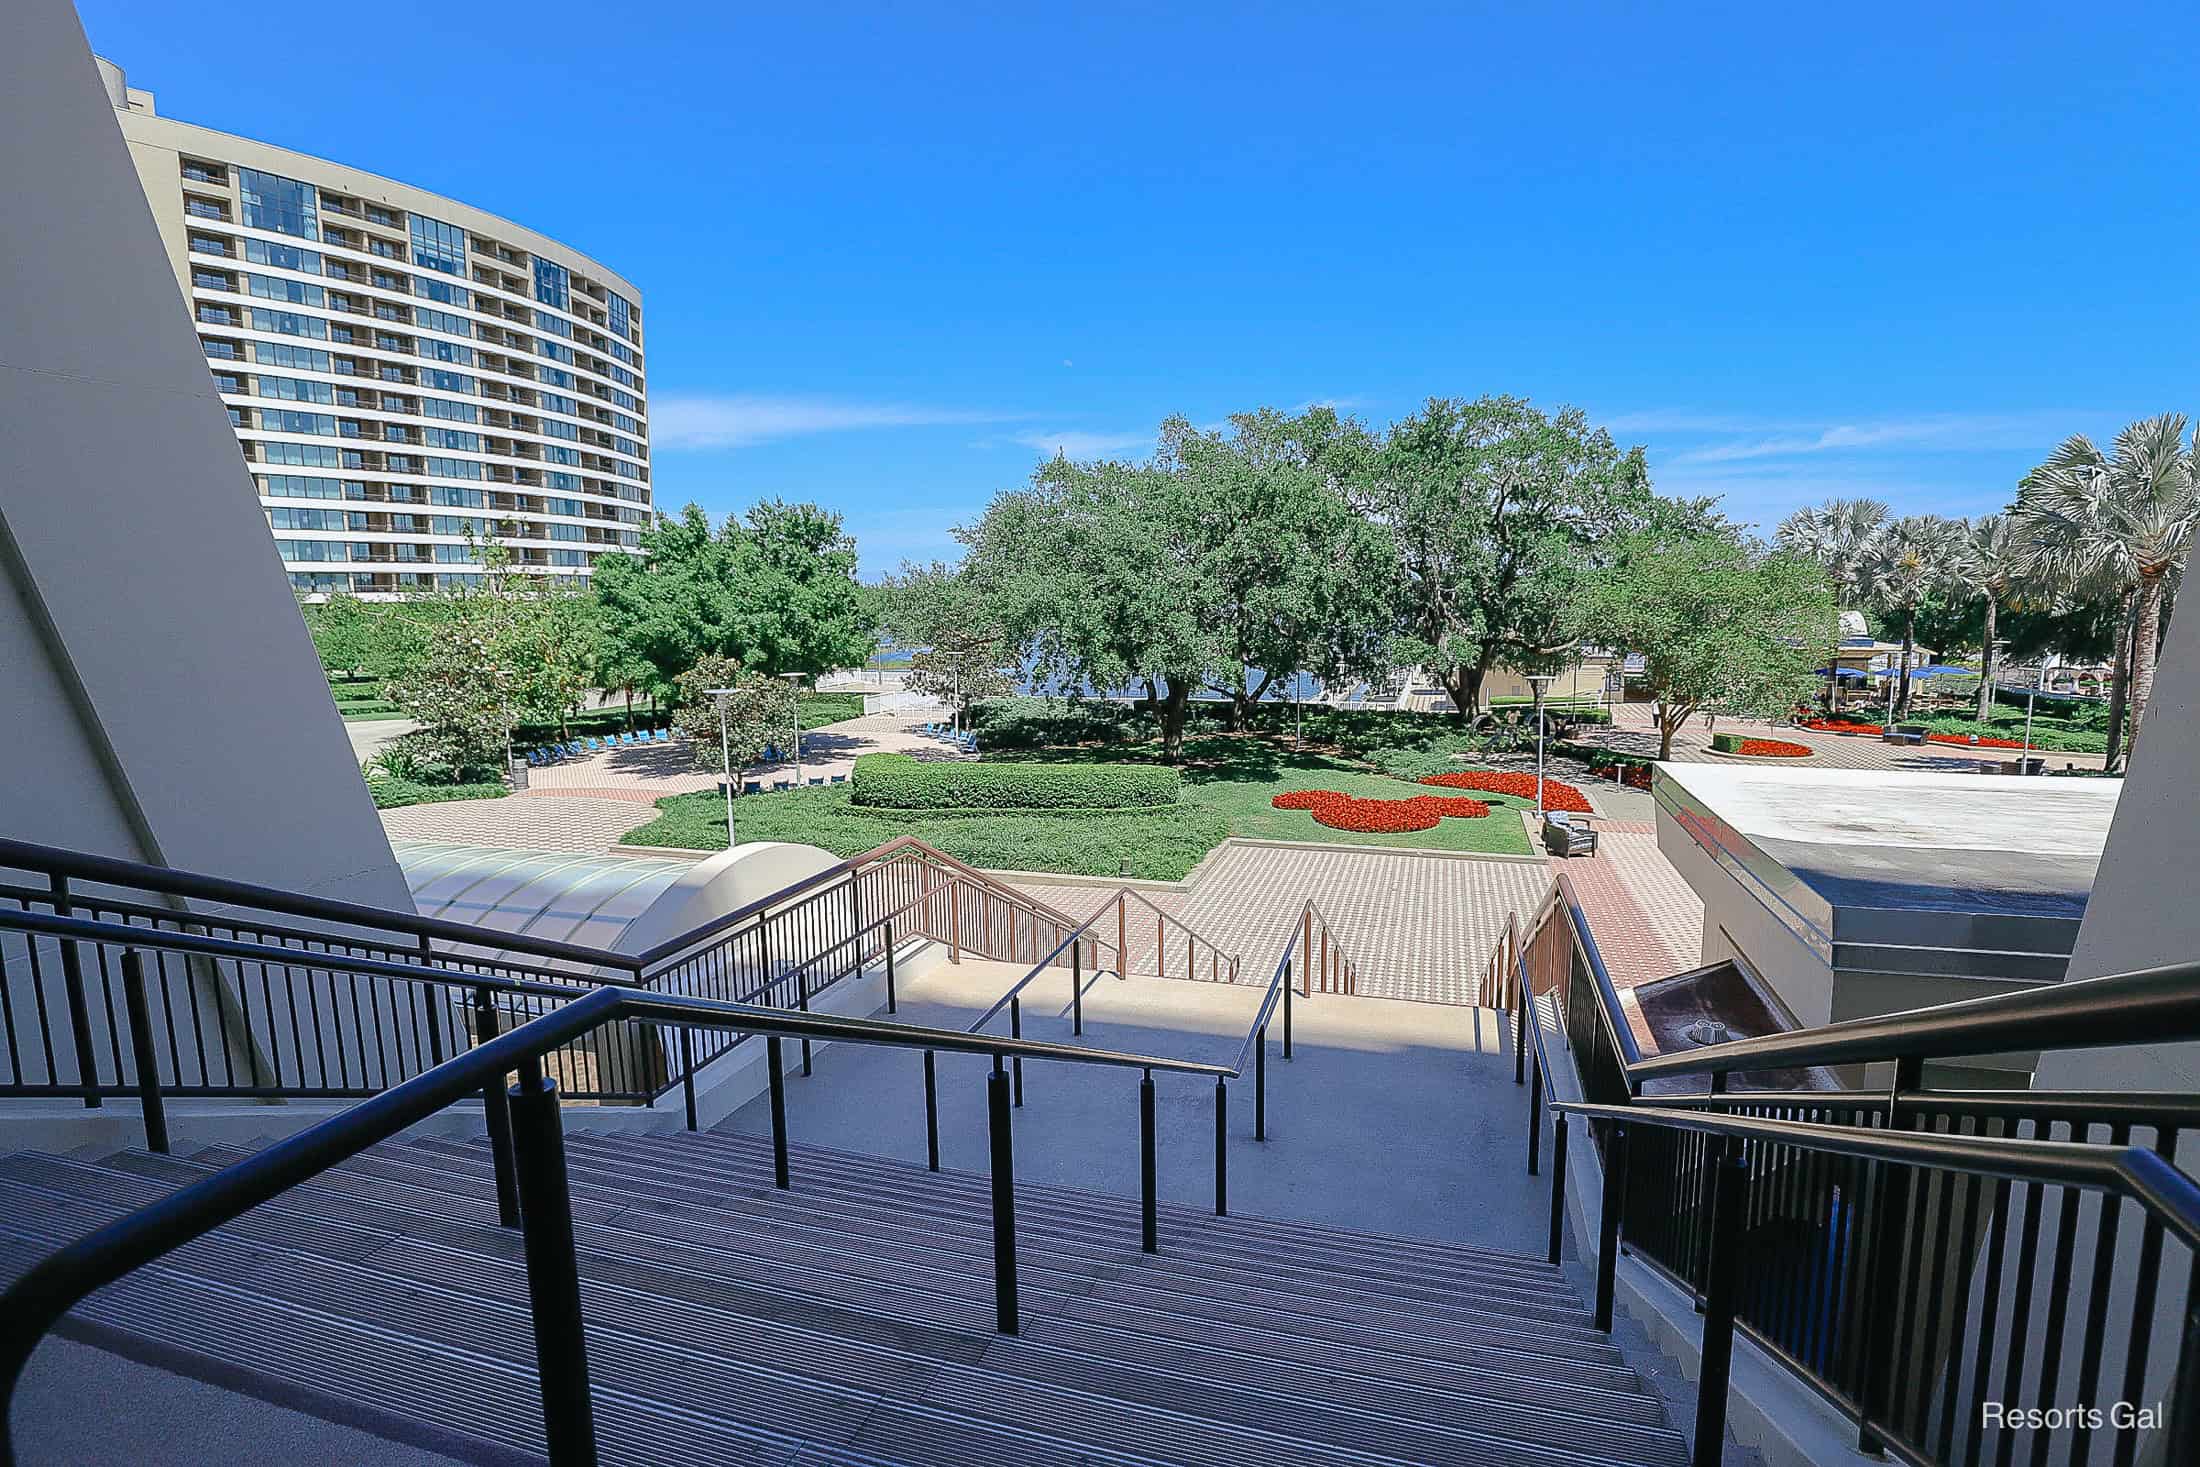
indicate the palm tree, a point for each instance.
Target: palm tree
{"x":1988,"y":563}
{"x":2128,"y":517}
{"x":1838,"y":535}
{"x":1908,"y":560}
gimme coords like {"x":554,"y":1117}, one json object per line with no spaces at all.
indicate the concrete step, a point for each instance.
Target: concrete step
{"x":850,"y":1320}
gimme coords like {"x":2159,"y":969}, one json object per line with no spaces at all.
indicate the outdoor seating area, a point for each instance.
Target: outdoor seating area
{"x":548,"y":754}
{"x":967,"y":742}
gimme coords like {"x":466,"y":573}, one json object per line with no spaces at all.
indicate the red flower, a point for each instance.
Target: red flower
{"x":1557,"y":794}
{"x":1378,"y":817}
{"x":1775,"y":749}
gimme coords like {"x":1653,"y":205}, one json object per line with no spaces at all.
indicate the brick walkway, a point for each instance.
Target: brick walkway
{"x":578,"y":824}
{"x":1634,"y":731}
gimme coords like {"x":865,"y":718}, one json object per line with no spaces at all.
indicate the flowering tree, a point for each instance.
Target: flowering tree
{"x":759,"y":712}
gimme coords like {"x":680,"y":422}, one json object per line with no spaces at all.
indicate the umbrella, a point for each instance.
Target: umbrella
{"x":1940,"y":669}
{"x":1845,"y":674}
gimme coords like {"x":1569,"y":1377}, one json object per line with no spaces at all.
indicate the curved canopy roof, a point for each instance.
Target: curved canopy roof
{"x":589,"y":900}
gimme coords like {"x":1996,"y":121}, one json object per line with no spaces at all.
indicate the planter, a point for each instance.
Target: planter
{"x":1734,"y":746}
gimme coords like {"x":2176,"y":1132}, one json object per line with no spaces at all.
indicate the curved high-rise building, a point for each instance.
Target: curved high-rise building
{"x":408,"y":375}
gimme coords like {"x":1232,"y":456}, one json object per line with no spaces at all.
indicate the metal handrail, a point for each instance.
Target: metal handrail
{"x":2150,"y":1005}
{"x":35,"y":1303}
{"x":1076,"y":934}
{"x":2168,"y":1195}
{"x":29,"y":856}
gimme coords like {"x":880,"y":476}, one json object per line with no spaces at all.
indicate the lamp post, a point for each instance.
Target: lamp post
{"x":725,"y":754}
{"x":1539,"y":681}
{"x":2024,"y":755}
{"x":795,"y":708}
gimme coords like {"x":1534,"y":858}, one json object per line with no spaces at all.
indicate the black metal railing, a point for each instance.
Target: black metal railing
{"x":287,"y":1020}
{"x":525,"y":1132}
{"x":1942,"y":1268}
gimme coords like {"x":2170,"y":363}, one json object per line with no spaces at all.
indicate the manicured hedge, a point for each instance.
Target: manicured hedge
{"x":899,"y":782}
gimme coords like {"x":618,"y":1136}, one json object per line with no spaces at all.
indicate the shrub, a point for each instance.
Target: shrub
{"x":391,"y":792}
{"x":419,"y":758}
{"x":899,"y":782}
{"x":1038,"y":723}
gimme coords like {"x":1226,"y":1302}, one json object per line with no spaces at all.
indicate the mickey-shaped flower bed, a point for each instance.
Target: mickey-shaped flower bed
{"x":1557,"y":794}
{"x":1378,"y":817}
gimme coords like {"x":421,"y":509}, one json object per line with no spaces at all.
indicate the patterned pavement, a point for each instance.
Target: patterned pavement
{"x":583,"y":825}
{"x":1633,"y":731}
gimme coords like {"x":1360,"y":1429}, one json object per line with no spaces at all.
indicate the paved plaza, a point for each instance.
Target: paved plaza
{"x":1634,"y":731}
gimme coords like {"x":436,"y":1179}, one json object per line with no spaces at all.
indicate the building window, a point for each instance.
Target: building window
{"x":205,"y":209}
{"x":438,"y":246}
{"x":297,"y":292}
{"x":282,"y":256}
{"x":207,"y":244}
{"x":282,"y":204}
{"x":622,"y":319}
{"x":550,"y":284}
{"x":441,"y":290}
{"x":288,"y":323}
{"x":199,"y":172}
{"x":217,"y":315}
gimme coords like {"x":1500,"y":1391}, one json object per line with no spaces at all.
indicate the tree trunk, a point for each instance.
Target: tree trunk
{"x":2119,"y":688}
{"x":2146,"y":632}
{"x":1669,"y":724}
{"x":1173,"y":706}
{"x":1902,"y":687}
{"x":630,"y":710}
{"x":1986,"y":663}
{"x":1463,"y":684}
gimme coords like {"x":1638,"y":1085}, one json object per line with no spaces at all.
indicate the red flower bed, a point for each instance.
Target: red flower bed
{"x":1774,"y":749}
{"x":1557,"y":794}
{"x":1378,"y":817}
{"x":1968,"y":741}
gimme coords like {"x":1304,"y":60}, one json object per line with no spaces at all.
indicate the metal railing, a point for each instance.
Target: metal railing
{"x":527,"y":1143}
{"x":287,"y":1021}
{"x":1916,"y":1256}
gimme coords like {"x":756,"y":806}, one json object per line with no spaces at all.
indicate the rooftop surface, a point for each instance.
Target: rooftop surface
{"x":1961,"y":873}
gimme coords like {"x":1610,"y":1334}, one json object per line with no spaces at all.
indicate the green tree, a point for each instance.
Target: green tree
{"x":775,"y":590}
{"x":759,"y":713}
{"x":961,"y":646}
{"x":1988,"y":567}
{"x":344,"y":633}
{"x":1493,"y":510}
{"x":1102,"y":571}
{"x":1907,"y":562}
{"x":1721,"y":626}
{"x":2127,"y":518}
{"x":1839,"y":535}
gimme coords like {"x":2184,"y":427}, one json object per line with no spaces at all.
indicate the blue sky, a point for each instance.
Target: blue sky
{"x":890,"y":255}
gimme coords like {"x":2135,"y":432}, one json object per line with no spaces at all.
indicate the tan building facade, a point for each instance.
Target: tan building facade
{"x":407,"y":375}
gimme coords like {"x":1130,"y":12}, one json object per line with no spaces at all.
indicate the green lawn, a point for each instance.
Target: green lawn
{"x":1229,"y":781}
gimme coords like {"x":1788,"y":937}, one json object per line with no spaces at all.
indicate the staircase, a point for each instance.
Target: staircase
{"x":850,"y":1320}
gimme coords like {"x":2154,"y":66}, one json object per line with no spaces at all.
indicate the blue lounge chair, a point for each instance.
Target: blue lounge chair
{"x":817,"y":779}
{"x":840,"y":779}
{"x":752,"y":787}
{"x":782,"y":784}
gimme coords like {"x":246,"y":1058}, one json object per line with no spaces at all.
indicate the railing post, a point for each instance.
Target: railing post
{"x":2184,"y":1421}
{"x":954,"y":921}
{"x":1122,"y":936}
{"x":1558,"y":1184}
{"x":777,"y":1070}
{"x":1076,"y":988}
{"x":1160,"y":949}
{"x":1287,"y":1008}
{"x":80,"y":1010}
{"x":687,"y":1073}
{"x":433,"y":998}
{"x":1329,"y":977}
{"x":553,"y":1273}
{"x":496,"y":1116}
{"x":1149,"y":1208}
{"x":1306,"y":950}
{"x":1884,"y":1287}
{"x":1016,"y":1031}
{"x":1222,"y":1147}
{"x":1535,"y":1113}
{"x":1004,"y":1201}
{"x":1731,"y":1175}
{"x":931,"y":1113}
{"x":1608,"y":1229}
{"x":1259,"y":1085}
{"x":1520,"y":1039}
{"x":891,"y":1006}
{"x":142,"y":1051}
{"x":802,"y":1002}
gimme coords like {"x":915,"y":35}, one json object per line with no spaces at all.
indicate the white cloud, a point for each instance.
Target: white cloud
{"x":740,"y":419}
{"x":1932,"y":433}
{"x":1077,"y":443}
